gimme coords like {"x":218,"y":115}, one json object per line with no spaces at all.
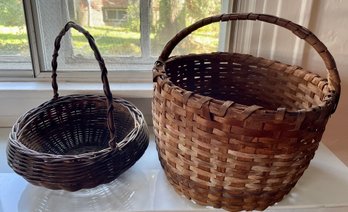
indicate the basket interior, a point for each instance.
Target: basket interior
{"x":242,"y":79}
{"x":73,"y":125}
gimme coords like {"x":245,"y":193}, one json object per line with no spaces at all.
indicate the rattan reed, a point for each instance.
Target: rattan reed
{"x":235,"y":131}
{"x":77,"y":141}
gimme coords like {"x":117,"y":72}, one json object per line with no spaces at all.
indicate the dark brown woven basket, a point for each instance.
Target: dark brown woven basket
{"x":77,"y":141}
{"x":237,"y":131}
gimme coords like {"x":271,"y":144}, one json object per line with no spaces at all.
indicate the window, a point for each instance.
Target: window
{"x":130,"y":34}
{"x":14,"y":46}
{"x":114,"y":15}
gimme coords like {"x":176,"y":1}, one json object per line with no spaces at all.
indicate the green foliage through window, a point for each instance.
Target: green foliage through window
{"x":13,"y":35}
{"x":167,"y":17}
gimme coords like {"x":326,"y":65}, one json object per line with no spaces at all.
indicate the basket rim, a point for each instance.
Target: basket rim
{"x":138,"y":124}
{"x":160,"y":77}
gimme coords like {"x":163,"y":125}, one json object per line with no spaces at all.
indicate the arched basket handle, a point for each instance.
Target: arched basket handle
{"x":104,"y":78}
{"x":334,"y":82}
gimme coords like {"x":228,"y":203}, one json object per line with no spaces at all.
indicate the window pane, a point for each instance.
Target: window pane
{"x":171,"y":16}
{"x":13,"y":33}
{"x":122,"y":14}
{"x":115,"y":25}
{"x":110,"y":15}
{"x":128,"y":33}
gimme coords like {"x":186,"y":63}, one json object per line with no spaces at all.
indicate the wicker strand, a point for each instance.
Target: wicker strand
{"x":104,"y":72}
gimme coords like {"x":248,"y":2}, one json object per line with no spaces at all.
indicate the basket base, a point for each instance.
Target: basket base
{"x":84,"y":149}
{"x":244,"y":201}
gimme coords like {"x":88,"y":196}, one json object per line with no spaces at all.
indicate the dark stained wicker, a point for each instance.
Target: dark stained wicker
{"x":77,"y":141}
{"x":235,"y":131}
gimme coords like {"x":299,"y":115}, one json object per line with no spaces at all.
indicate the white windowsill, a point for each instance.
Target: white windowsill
{"x":125,"y":90}
{"x":144,"y":187}
{"x":18,"y":97}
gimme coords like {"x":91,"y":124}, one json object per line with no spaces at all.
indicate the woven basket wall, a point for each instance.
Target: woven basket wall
{"x":235,"y":131}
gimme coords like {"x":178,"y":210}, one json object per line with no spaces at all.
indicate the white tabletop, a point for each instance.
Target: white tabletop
{"x":323,"y":187}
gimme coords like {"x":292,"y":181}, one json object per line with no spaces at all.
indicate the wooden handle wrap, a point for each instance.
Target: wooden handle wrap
{"x":301,"y":32}
{"x":104,"y":72}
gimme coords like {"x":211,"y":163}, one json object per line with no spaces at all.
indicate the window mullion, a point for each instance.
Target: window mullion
{"x":145,"y":6}
{"x":52,"y":16}
{"x":32,"y":39}
{"x":226,"y":28}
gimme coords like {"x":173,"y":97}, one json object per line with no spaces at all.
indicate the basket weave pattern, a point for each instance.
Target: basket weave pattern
{"x":235,"y":131}
{"x":77,"y":141}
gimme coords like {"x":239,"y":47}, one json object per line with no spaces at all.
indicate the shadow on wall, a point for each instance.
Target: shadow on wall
{"x":335,"y":135}
{"x":327,"y":22}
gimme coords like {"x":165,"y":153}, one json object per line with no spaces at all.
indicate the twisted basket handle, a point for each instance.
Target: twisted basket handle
{"x":300,"y":31}
{"x":104,"y":72}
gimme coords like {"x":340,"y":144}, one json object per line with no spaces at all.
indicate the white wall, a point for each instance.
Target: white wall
{"x":329,"y":21}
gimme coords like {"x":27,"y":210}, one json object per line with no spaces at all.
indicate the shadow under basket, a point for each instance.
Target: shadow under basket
{"x":77,"y":141}
{"x":235,"y":131}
